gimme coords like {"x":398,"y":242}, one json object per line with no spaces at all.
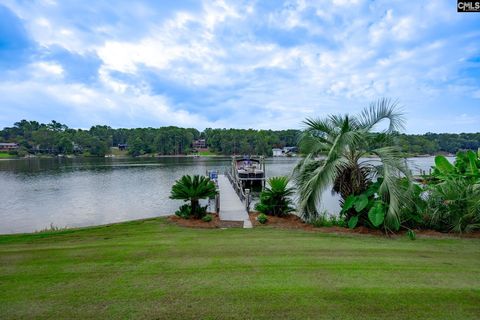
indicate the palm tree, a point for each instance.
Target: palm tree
{"x":345,"y":141}
{"x":193,"y":189}
{"x":276,"y":198}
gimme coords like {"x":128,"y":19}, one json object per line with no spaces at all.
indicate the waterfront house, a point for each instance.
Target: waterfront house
{"x":284,"y":152}
{"x":199,"y":144}
{"x":277,"y":152}
{"x":7,"y":146}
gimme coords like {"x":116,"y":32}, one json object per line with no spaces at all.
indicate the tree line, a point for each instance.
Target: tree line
{"x":57,"y":138}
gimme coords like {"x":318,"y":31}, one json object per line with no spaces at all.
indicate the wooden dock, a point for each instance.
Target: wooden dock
{"x":232,"y":210}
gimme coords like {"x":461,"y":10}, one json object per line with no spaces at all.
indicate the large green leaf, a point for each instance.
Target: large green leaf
{"x":361,"y":203}
{"x":352,"y":223}
{"x":472,"y":162}
{"x":373,"y":188}
{"x":348,"y":204}
{"x":443,"y":165}
{"x":376,"y":214}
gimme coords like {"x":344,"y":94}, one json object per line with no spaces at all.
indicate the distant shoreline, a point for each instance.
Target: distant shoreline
{"x":149,"y":156}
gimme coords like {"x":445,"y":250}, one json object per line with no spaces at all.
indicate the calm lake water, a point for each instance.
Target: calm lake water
{"x":35,"y":193}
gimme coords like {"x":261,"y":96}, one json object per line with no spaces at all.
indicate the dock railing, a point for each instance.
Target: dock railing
{"x":213,"y":175}
{"x":244,"y":195}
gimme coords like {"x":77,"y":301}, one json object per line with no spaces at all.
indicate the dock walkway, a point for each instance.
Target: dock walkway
{"x":231,"y":208}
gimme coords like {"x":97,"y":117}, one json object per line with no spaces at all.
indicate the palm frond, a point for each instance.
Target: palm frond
{"x":393,"y":168}
{"x":313,"y":181}
{"x":382,"y":109}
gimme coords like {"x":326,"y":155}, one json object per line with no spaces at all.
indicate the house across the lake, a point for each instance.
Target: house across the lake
{"x":277,"y":152}
{"x":199,"y":144}
{"x":285,"y":152}
{"x":7,"y":146}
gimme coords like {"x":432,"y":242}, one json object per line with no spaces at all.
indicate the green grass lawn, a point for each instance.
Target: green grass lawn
{"x":6,"y":155}
{"x":207,"y":153}
{"x":117,"y":152}
{"x":153,"y":270}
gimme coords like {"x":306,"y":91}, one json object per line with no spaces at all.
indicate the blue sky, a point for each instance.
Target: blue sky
{"x":242,"y":64}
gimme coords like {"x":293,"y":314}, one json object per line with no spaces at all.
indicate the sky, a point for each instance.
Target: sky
{"x":241,"y":64}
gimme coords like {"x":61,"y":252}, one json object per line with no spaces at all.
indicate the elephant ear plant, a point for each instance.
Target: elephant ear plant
{"x":338,"y":154}
{"x":366,"y":207}
{"x":454,"y":194}
{"x":467,"y":166}
{"x":193,"y":189}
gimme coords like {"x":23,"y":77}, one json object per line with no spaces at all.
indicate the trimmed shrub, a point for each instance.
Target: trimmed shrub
{"x":262,"y":218}
{"x":207,"y":218}
{"x":184,"y":211}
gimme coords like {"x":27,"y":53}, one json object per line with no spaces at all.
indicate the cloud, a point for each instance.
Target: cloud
{"x":237,"y":63}
{"x":48,"y":68}
{"x":15,"y":43}
{"x":85,"y":106}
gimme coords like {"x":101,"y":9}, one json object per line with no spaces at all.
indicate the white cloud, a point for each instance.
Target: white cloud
{"x":281,"y":64}
{"x":90,"y":106}
{"x":47,"y":68}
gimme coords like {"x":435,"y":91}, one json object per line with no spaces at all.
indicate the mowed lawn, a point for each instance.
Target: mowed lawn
{"x":154,"y":270}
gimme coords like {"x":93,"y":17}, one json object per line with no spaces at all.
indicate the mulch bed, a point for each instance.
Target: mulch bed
{"x":294,"y":222}
{"x":196,"y":223}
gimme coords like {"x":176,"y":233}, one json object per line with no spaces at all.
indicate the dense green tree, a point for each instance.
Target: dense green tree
{"x":65,"y":145}
{"x":36,"y":137}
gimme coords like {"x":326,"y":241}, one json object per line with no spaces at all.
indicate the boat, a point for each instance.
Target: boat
{"x":250,"y":170}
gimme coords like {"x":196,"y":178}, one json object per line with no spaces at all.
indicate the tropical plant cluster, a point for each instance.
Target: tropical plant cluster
{"x":452,"y":201}
{"x":379,"y":192}
{"x":371,"y":188}
{"x":376,"y":192}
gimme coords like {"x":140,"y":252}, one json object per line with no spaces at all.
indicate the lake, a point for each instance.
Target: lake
{"x":36,"y":193}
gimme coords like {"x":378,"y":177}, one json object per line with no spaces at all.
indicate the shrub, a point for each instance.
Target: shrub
{"x":184,"y":211}
{"x":454,"y":205}
{"x":207,"y":218}
{"x":275,"y":199}
{"x":337,"y":221}
{"x":322,"y":221}
{"x":193,"y":189}
{"x":201,"y":211}
{"x":326,"y":220}
{"x":262,"y":218}
{"x":411,"y":234}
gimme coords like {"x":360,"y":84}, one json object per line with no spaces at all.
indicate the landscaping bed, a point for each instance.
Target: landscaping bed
{"x":292,"y":221}
{"x":196,"y":223}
